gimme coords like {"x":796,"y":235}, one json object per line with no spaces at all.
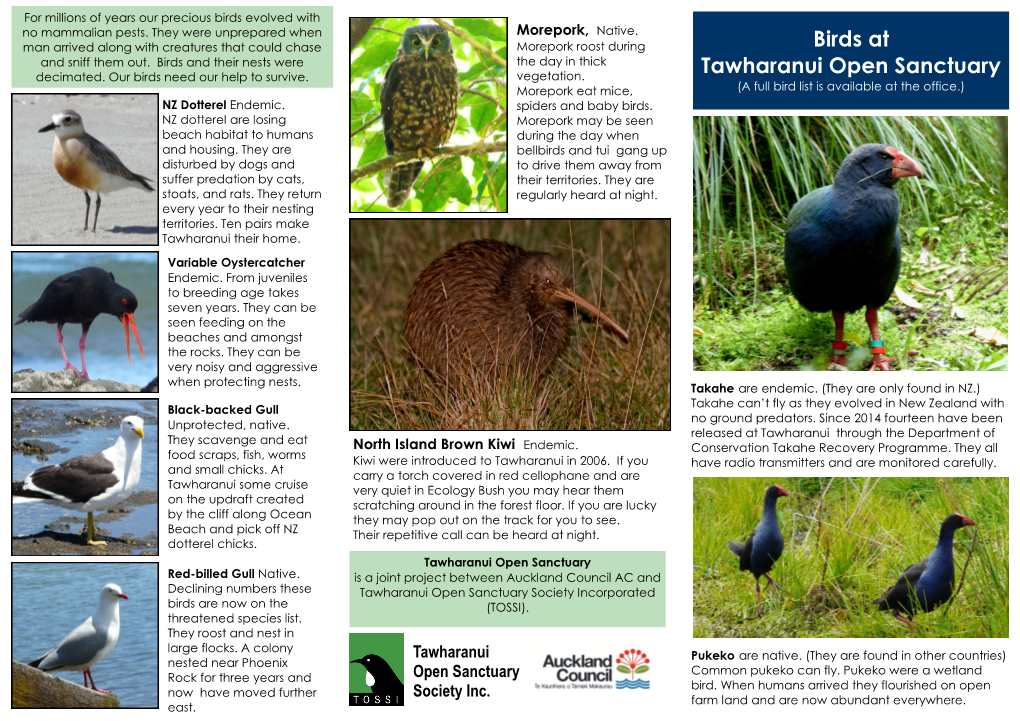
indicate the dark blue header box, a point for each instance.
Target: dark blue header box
{"x":851,"y":61}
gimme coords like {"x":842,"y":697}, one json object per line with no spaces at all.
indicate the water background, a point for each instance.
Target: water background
{"x":52,"y":599}
{"x":35,"y":344}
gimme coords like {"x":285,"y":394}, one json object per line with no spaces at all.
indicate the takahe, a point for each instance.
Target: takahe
{"x":925,"y":586}
{"x":843,"y":246}
{"x":765,"y":544}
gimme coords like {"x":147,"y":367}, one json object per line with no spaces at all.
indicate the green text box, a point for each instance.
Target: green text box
{"x":617,"y":588}
{"x":172,"y":47}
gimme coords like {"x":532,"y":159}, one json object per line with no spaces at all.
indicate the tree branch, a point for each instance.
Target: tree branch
{"x":482,"y":95}
{"x":358,"y":28}
{"x":482,"y":50}
{"x":448,"y":151}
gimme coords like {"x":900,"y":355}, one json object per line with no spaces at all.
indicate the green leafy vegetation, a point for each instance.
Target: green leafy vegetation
{"x":474,"y":182}
{"x":949,"y":311}
{"x":847,"y":541}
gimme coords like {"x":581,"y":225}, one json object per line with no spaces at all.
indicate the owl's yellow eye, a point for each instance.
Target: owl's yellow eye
{"x":435,"y":42}
{"x":416,"y":42}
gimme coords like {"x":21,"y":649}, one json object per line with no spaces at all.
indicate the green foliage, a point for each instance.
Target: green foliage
{"x":446,"y":184}
{"x":847,"y":541}
{"x":748,"y":173}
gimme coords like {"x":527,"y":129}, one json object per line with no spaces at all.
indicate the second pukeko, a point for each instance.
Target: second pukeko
{"x":843,"y":244}
{"x":925,"y":586}
{"x":765,"y":544}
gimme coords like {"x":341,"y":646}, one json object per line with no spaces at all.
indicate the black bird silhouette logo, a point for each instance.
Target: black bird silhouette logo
{"x":379,"y":676}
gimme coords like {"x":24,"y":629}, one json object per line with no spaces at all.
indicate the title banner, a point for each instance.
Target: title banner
{"x":859,"y":61}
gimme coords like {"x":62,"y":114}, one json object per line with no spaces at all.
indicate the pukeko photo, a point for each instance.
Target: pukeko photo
{"x":764,"y":546}
{"x":925,"y":586}
{"x":842,"y":246}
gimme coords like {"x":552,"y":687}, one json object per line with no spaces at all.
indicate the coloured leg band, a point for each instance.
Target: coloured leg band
{"x":839,"y":347}
{"x":877,"y":346}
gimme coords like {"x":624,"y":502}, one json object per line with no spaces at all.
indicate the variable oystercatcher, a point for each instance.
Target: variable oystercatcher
{"x":379,"y":676}
{"x":765,"y":545}
{"x":91,"y":642}
{"x":80,"y":297}
{"x":92,"y":482}
{"x":925,"y":586}
{"x":485,"y":305}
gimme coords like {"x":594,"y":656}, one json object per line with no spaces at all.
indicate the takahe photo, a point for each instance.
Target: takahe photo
{"x":828,"y":549}
{"x":843,"y":244}
{"x":850,"y":243}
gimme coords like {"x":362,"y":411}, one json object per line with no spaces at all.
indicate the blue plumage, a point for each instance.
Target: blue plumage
{"x":842,"y":247}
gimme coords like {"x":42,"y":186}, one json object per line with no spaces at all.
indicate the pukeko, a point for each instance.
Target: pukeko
{"x":842,"y":244}
{"x":925,"y":586}
{"x":765,"y":544}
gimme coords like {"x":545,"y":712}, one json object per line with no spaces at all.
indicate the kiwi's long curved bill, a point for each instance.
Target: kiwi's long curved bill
{"x":577,"y":300}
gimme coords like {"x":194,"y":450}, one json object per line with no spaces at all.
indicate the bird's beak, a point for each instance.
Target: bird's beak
{"x":51,"y":126}
{"x":129,"y":318}
{"x":574,"y":298}
{"x":781,"y":491}
{"x":121,"y":595}
{"x":904,"y":166}
{"x":140,"y":432}
{"x":966,"y":521}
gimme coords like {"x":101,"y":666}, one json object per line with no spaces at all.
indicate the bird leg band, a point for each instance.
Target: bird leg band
{"x":877,"y":346}
{"x":839,"y":347}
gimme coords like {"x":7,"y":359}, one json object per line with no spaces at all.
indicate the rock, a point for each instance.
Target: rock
{"x":65,"y":381}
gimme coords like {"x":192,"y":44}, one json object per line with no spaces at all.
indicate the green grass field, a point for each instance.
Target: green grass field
{"x":598,"y":383}
{"x":846,"y":542}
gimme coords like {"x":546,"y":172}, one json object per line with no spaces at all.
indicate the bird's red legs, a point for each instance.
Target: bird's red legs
{"x":81,"y":349}
{"x":909,"y":622}
{"x":879,"y":362}
{"x":67,"y":363}
{"x":88,"y":677}
{"x":838,"y":345}
{"x":773,"y":583}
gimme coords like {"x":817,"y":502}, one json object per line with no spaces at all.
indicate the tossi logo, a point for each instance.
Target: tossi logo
{"x":376,"y":669}
{"x":632,"y":662}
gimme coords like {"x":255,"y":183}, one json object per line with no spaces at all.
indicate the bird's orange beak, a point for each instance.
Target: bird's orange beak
{"x":903,"y":165}
{"x":129,"y":319}
{"x":574,"y":298}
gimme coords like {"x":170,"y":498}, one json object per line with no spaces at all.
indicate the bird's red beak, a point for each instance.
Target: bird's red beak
{"x":121,"y":595}
{"x":781,"y":491}
{"x":966,"y":521}
{"x":129,"y":319}
{"x":903,"y":165}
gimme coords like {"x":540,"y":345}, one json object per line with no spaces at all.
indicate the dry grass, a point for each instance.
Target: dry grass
{"x":599,"y":383}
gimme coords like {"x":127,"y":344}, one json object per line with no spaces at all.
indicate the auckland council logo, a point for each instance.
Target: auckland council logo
{"x":633,"y":663}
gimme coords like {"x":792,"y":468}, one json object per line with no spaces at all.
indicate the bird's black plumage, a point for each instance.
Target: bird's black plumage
{"x":765,"y":544}
{"x":81,"y":296}
{"x":842,"y":246}
{"x":384,"y":680}
{"x":926,"y":585}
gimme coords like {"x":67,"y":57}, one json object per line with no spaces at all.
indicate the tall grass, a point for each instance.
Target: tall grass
{"x":749,"y":171}
{"x":622,"y":266}
{"x":847,"y":541}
